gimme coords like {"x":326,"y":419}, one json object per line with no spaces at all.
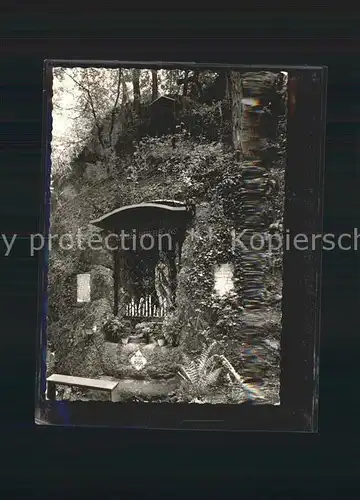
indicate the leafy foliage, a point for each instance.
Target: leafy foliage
{"x":200,"y":375}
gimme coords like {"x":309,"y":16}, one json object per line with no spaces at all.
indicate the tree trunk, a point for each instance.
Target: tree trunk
{"x":125,"y":96}
{"x":250,"y":97}
{"x":186,"y":83}
{"x":136,"y":89}
{"x":154,"y":91}
{"x":114,"y":110}
{"x":259,"y":89}
{"x":228,"y":86}
{"x":195,"y":90}
{"x":235,"y":90}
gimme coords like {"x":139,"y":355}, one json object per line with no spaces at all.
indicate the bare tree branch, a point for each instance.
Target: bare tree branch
{"x":90,"y":101}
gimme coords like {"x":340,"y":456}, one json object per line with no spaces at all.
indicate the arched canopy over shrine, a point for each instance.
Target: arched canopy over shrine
{"x":160,"y":214}
{"x":145,"y":278}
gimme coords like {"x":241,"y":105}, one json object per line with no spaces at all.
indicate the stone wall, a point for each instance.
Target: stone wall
{"x":159,"y":362}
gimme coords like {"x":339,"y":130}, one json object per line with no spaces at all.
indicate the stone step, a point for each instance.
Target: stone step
{"x":130,"y":388}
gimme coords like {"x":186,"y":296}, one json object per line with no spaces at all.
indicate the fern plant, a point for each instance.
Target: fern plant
{"x":198,"y":376}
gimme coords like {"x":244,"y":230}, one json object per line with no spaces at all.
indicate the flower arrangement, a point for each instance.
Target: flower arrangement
{"x":114,"y":329}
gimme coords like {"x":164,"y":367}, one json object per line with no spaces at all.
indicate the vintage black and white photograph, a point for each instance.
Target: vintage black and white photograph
{"x":165,"y":262}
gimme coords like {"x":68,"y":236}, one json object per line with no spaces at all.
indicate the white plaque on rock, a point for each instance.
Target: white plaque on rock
{"x":223,"y":278}
{"x":138,"y":361}
{"x":83,"y":288}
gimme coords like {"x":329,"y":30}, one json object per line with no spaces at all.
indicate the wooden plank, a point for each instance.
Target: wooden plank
{"x":82,"y":382}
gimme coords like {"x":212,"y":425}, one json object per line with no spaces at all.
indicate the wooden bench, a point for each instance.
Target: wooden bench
{"x":90,"y":383}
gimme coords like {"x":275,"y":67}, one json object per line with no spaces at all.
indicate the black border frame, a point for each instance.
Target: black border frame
{"x":302,"y":272}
